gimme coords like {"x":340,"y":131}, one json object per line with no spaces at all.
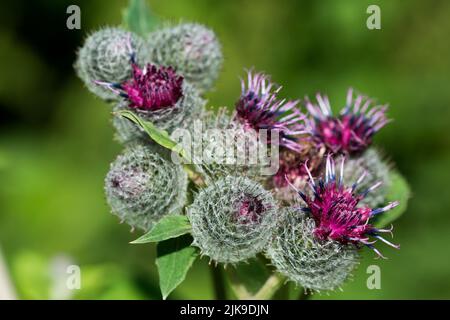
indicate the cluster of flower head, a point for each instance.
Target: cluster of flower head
{"x":237,"y":214}
{"x":136,"y":73}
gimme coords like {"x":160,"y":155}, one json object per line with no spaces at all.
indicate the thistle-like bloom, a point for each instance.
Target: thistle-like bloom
{"x":352,"y":131}
{"x":336,"y":211}
{"x":151,"y":88}
{"x":258,"y":108}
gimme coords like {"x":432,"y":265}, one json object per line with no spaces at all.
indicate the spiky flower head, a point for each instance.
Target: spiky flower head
{"x":105,"y":56}
{"x":149,"y":89}
{"x":152,"y":88}
{"x":259,"y":108}
{"x":302,"y":258}
{"x":143,"y":185}
{"x":182,"y":115}
{"x":372,"y":162}
{"x":192,"y":49}
{"x":156,"y":94}
{"x":337,"y":212}
{"x":352,"y":131}
{"x":232,"y":219}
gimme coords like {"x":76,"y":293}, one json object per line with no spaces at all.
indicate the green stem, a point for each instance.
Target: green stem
{"x":218,"y":283}
{"x":271,"y":286}
{"x":194,"y":176}
{"x":305,"y":294}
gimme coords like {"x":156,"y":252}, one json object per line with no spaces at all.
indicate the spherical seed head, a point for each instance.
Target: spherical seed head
{"x":192,"y":49}
{"x":182,"y":114}
{"x":232,"y":219}
{"x":337,"y":211}
{"x":371,"y":161}
{"x":352,"y":131}
{"x":105,"y":56}
{"x":302,"y":258}
{"x":143,"y":185}
{"x":259,"y":108}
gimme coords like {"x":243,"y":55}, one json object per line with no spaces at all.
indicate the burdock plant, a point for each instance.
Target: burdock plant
{"x":307,"y":222}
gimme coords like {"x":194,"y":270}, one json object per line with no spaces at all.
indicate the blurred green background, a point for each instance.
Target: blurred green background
{"x":56,"y":139}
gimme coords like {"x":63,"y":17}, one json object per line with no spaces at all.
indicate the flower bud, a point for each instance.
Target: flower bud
{"x":377,"y":171}
{"x":232,"y":219}
{"x":220,"y":146}
{"x":313,"y":264}
{"x":143,"y":185}
{"x":192,"y":49}
{"x":105,"y":57}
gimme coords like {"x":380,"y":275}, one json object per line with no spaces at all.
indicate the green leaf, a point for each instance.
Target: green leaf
{"x":398,"y":191}
{"x":174,"y":259}
{"x":247,"y":279}
{"x":162,"y":138}
{"x":159,"y":136}
{"x":168,"y":227}
{"x":138,"y":17}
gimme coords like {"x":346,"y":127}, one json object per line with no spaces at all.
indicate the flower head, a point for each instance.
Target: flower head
{"x":258,"y":108}
{"x":336,"y":211}
{"x":151,"y":88}
{"x":142,"y":186}
{"x":232,"y":219}
{"x":350,"y":132}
